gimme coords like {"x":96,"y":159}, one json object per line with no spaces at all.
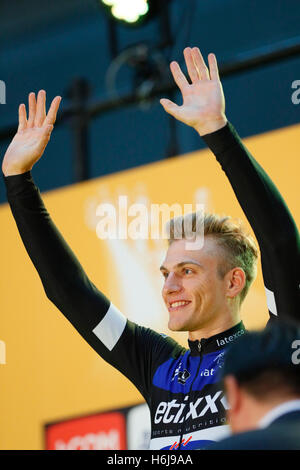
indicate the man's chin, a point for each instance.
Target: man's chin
{"x":177,"y":326}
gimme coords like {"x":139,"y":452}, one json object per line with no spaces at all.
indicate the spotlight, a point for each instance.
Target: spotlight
{"x":130,"y":12}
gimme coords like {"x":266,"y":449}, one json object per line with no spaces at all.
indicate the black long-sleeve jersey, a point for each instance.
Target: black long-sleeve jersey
{"x":180,"y":385}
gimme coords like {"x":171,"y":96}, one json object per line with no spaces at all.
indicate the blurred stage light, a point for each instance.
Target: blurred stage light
{"x":128,"y":11}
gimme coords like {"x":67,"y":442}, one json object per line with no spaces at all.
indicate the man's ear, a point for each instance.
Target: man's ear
{"x":233,"y":394}
{"x":236,"y":282}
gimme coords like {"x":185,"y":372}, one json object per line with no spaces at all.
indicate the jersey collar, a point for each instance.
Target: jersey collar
{"x":216,"y":342}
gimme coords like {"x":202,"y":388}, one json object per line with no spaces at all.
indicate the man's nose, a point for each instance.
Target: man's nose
{"x":172,"y":284}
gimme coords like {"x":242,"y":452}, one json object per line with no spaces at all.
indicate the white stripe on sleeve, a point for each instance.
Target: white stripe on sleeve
{"x":111,"y":327}
{"x":271,"y":301}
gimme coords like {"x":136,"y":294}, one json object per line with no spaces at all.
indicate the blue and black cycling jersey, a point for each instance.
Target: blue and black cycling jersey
{"x":181,"y":386}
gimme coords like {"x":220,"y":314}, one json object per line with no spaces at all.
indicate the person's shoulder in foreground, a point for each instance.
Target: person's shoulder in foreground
{"x":284,"y":434}
{"x":262,"y":381}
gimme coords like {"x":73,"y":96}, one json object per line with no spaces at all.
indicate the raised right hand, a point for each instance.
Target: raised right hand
{"x":203,"y":104}
{"x":30,"y":141}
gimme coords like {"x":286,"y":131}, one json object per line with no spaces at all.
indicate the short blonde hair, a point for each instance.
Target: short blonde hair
{"x":239,"y":247}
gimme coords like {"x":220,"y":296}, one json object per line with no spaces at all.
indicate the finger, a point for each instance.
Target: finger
{"x":213,"y":67}
{"x":51,"y":116}
{"x":40,"y":109}
{"x":22,"y":117}
{"x":190,"y":65}
{"x":178,"y":76}
{"x":47,"y":130}
{"x":32,"y":109}
{"x":200,"y":64}
{"x":170,"y":107}
{"x":44,"y":136}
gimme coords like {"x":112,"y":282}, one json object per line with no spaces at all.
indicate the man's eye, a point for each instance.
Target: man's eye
{"x":187,"y":271}
{"x":165,"y":275}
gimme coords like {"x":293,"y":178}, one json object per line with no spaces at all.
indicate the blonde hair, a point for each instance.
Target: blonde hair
{"x":239,"y":247}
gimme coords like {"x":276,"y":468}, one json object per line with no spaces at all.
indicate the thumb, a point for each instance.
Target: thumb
{"x":170,"y":107}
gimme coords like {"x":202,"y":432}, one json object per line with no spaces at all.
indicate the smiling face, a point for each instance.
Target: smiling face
{"x":194,"y":292}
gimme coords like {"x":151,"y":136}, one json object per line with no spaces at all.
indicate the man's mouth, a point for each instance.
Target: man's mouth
{"x":177,"y":304}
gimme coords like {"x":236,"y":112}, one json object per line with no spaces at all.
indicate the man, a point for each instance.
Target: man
{"x":203,"y":289}
{"x":262,"y":381}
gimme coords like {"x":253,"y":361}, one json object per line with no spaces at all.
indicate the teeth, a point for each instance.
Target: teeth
{"x":179,"y":304}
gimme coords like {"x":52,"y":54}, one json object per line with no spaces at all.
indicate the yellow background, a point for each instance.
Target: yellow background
{"x":50,"y":372}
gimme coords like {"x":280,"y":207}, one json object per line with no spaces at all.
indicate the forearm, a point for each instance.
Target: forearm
{"x":63,"y":278}
{"x":123,"y":344}
{"x":259,"y":198}
{"x":271,"y":221}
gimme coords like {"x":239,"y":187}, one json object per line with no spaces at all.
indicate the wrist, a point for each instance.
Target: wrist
{"x":211,"y":126}
{"x":10,"y":171}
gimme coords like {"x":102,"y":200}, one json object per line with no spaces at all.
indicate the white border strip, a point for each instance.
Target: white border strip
{"x":111,"y":327}
{"x":271,"y":301}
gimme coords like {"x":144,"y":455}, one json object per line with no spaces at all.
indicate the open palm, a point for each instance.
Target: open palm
{"x":203,"y":99}
{"x":30,"y":141}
